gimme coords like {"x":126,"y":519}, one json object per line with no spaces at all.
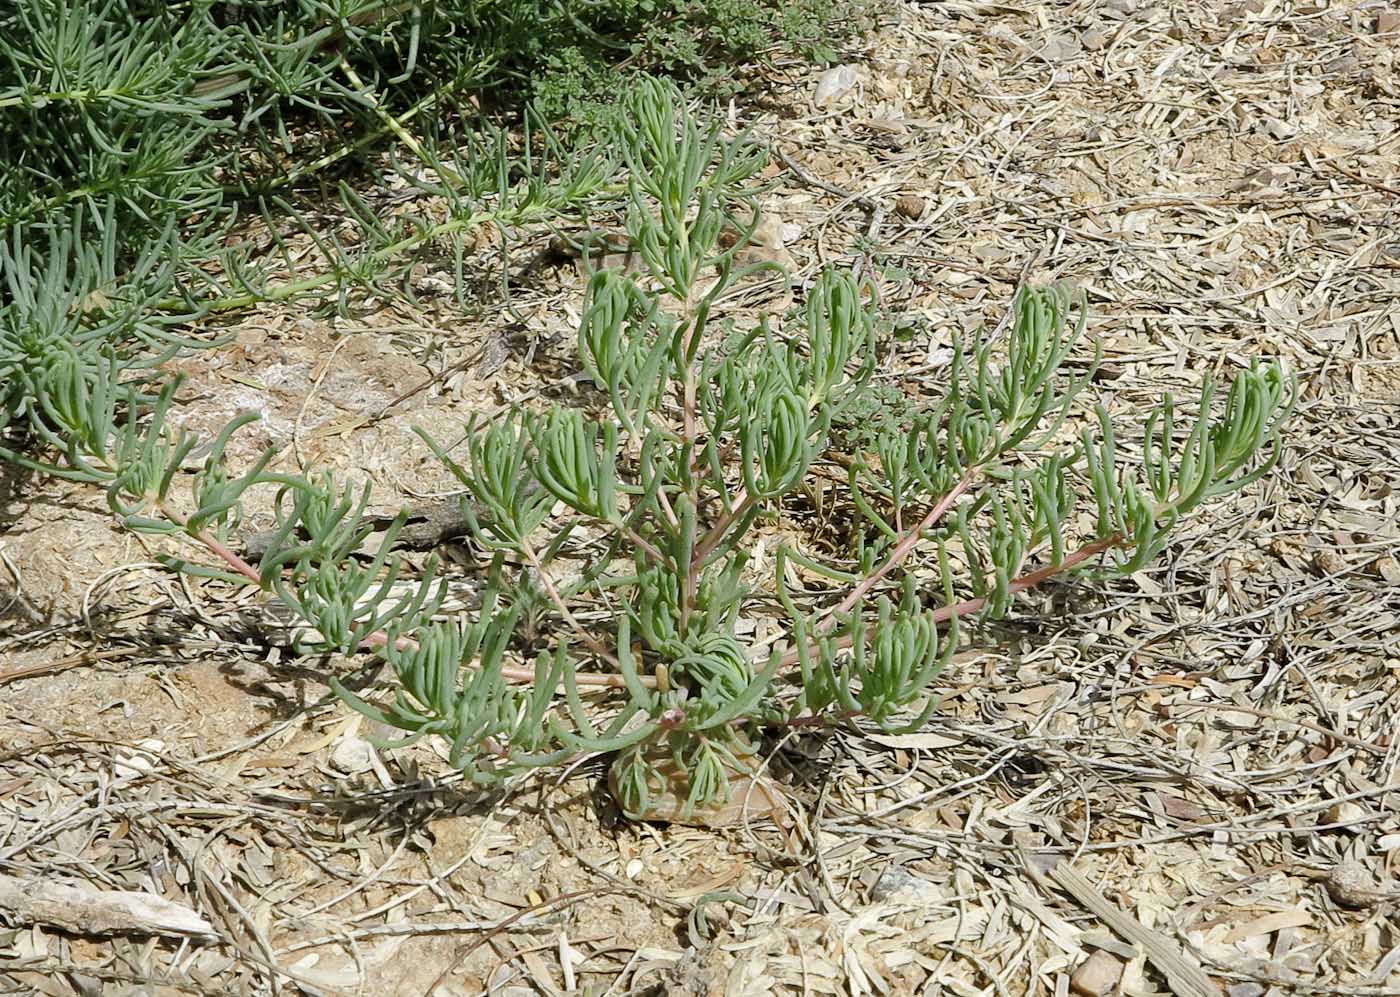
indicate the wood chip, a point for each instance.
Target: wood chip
{"x":1268,"y":924}
{"x":87,"y":911}
{"x":1185,"y":978}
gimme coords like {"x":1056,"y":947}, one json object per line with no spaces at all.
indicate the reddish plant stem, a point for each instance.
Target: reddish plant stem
{"x":644,"y":544}
{"x":822,"y":719}
{"x":641,"y":542}
{"x":690,"y":429}
{"x":665,"y":505}
{"x":716,"y":533}
{"x":1020,"y":584}
{"x":690,"y":432}
{"x":793,"y":655}
{"x":594,"y":645}
{"x":900,"y":552}
{"x":1034,"y":578}
{"x":213,"y":543}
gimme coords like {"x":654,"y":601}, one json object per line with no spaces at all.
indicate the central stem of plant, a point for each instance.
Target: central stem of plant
{"x":690,"y":434}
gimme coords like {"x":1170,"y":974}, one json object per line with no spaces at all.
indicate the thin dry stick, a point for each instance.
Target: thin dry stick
{"x":85,"y":910}
{"x":901,"y":551}
{"x":515,"y":919}
{"x":1184,"y":978}
{"x":1355,"y":742}
{"x":60,"y":664}
{"x":594,"y":644}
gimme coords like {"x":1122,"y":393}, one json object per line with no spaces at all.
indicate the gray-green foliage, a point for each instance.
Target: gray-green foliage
{"x":705,"y":429}
{"x":86,"y":321}
{"x":159,"y":107}
{"x":643,"y":501}
{"x":136,"y":137}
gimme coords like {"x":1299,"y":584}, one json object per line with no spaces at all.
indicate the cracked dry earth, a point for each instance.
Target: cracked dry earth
{"x":1183,"y":782}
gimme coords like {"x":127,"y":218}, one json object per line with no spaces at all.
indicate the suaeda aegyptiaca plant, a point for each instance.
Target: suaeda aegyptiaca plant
{"x":704,"y":430}
{"x":652,"y":490}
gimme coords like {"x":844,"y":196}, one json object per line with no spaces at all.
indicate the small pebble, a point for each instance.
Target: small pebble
{"x":1061,"y":48}
{"x":1097,"y":975}
{"x":1351,"y":886}
{"x":911,"y":206}
{"x":353,"y":755}
{"x":897,"y":881}
{"x":1246,"y":990}
{"x":1343,"y":64}
{"x":834,"y":83}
